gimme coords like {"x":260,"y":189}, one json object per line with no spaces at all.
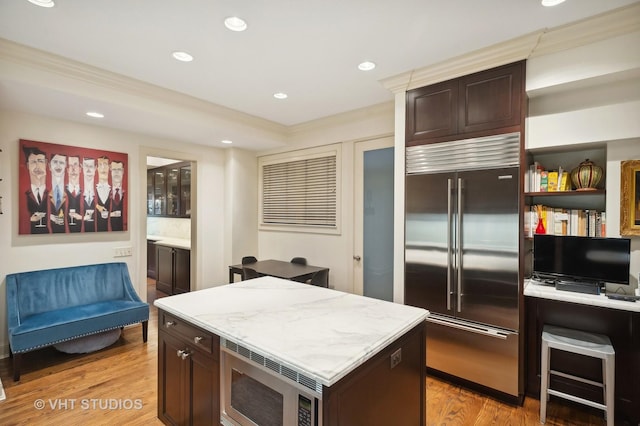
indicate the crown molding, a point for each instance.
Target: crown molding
{"x":587,"y":31}
{"x":384,"y":109}
{"x":51,"y":64}
{"x":543,"y":42}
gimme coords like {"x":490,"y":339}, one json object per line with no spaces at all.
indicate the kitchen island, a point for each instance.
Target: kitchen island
{"x":364,"y":356}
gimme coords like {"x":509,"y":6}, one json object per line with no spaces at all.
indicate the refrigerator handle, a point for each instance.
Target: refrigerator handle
{"x":459,"y":246}
{"x":449,"y":253}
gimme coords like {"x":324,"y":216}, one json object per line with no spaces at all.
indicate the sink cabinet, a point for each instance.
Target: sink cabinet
{"x":188,"y":373}
{"x":173,"y":272}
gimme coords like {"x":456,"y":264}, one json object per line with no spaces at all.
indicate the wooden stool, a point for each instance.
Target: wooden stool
{"x":579,"y":342}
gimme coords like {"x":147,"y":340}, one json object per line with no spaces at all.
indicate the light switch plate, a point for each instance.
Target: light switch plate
{"x":122,"y":251}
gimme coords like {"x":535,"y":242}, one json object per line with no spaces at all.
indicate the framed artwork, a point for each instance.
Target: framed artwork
{"x":630,"y":197}
{"x":68,"y":189}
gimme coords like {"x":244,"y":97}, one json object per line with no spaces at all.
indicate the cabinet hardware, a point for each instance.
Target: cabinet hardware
{"x":169,"y":324}
{"x":184,"y":354}
{"x":198,"y":339}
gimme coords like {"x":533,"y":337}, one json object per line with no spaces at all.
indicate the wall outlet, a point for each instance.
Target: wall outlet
{"x":122,"y":251}
{"x":396,"y":357}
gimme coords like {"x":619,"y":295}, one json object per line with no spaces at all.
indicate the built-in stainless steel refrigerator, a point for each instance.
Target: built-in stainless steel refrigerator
{"x":462,"y":256}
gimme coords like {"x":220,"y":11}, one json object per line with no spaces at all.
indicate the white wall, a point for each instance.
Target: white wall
{"x":20,"y":253}
{"x":241,"y":200}
{"x":618,"y":151}
{"x":332,"y":251}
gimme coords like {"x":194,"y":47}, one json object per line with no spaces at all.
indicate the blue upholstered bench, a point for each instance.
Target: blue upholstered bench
{"x":55,"y":305}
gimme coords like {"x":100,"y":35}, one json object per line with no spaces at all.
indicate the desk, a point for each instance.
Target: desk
{"x":279,"y":269}
{"x":594,"y":313}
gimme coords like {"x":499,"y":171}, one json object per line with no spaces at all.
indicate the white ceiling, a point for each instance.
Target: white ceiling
{"x":309,"y":49}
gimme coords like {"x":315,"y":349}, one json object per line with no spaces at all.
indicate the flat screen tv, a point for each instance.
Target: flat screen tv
{"x":582,"y":258}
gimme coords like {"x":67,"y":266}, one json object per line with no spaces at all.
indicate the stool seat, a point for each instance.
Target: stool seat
{"x":578,"y":341}
{"x":583,"y":343}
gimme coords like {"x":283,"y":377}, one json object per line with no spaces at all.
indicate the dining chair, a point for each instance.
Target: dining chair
{"x":320,"y":278}
{"x":249,"y":273}
{"x":249,"y":259}
{"x":299,"y":260}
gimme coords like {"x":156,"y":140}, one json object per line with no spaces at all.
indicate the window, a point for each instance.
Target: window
{"x":300,"y":191}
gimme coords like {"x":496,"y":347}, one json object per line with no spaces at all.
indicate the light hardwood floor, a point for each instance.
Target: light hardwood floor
{"x":118,"y":385}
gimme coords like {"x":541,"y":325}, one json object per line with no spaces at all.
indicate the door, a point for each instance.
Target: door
{"x":373,"y":218}
{"x":488,"y":280}
{"x":429,"y":239}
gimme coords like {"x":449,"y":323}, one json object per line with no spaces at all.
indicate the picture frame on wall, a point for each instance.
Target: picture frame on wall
{"x":71,"y":190}
{"x":630,"y":198}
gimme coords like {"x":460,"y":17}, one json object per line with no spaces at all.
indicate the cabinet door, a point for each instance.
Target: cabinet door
{"x":432,"y":111}
{"x":150,"y":192}
{"x":182,"y":271}
{"x":151,"y":259}
{"x":159,"y":193}
{"x":204,"y":389}
{"x":164,"y":271}
{"x":172,"y":191}
{"x":172,"y":384}
{"x":185,"y":191}
{"x":491,"y":99}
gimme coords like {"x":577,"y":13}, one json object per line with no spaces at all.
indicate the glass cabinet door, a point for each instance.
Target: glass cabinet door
{"x":172,"y":191}
{"x":185,"y":191}
{"x":159,"y":193}
{"x":150,"y":192}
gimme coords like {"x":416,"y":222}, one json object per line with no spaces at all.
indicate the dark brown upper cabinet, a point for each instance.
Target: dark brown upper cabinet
{"x":169,"y":191}
{"x":480,"y":104}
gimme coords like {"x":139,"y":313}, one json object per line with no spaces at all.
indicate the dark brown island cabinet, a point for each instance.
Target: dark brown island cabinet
{"x":374,"y":394}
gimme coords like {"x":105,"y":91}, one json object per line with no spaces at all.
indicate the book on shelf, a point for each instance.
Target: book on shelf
{"x":552,"y":181}
{"x":544,"y":181}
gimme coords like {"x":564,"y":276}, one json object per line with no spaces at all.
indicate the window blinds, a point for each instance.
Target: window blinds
{"x":300,"y":192}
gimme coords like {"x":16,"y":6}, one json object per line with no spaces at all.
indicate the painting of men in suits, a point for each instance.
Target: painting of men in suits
{"x":70,"y":189}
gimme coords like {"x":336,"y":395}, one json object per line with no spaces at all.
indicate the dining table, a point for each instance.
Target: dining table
{"x":277,"y":268}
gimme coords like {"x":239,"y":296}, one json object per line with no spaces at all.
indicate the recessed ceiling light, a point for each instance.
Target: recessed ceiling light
{"x":549,"y":3}
{"x":280,"y":95}
{"x":43,"y":3}
{"x":226,"y":141}
{"x":182,"y":56}
{"x":235,"y":24}
{"x":366,"y":66}
{"x":95,"y":114}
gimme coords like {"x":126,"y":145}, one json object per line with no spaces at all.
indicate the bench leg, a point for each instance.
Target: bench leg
{"x":145,"y":329}
{"x":17,"y":358}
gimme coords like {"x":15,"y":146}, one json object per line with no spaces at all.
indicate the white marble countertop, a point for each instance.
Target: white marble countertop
{"x":322,"y":333}
{"x":534,"y":288}
{"x":171,"y":242}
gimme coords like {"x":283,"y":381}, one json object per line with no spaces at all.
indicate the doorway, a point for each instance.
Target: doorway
{"x":168,"y":215}
{"x":373,"y":223}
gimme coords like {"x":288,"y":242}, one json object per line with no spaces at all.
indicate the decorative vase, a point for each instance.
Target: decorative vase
{"x":586,"y":176}
{"x":540,"y":228}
